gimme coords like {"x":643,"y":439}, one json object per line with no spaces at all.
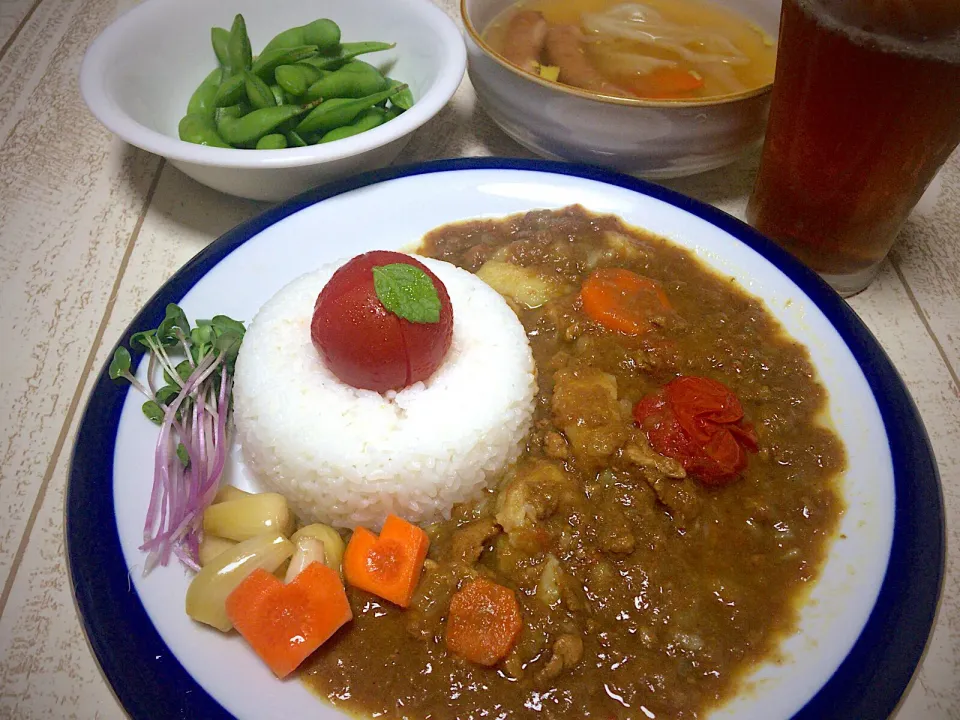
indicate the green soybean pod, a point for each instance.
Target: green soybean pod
{"x":273,"y":141}
{"x":278,"y":94}
{"x":333,"y":113}
{"x":267,"y":62}
{"x":323,"y":33}
{"x":232,"y":90}
{"x":294,"y":139}
{"x":238,"y":46}
{"x":258,"y":92}
{"x":367,"y":120}
{"x":253,"y":126}
{"x":403,"y":100}
{"x":202,"y":100}
{"x":347,"y":82}
{"x":220,"y":38}
{"x":199,"y":129}
{"x":347,"y":51}
{"x":286,"y":39}
{"x":293,"y":79}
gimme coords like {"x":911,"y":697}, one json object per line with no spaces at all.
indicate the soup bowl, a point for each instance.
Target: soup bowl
{"x":651,"y":138}
{"x":862,"y":625}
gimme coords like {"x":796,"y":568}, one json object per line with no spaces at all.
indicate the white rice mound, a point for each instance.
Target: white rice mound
{"x":349,"y":457}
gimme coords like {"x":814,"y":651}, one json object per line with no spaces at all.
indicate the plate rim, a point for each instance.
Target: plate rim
{"x":148,"y":680}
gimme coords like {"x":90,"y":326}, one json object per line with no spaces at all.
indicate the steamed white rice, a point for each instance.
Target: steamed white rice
{"x":349,"y":457}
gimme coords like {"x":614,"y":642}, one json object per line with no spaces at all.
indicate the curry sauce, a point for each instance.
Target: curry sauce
{"x":644,"y":592}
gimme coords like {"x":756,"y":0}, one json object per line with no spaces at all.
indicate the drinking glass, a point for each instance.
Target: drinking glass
{"x":865,"y":110}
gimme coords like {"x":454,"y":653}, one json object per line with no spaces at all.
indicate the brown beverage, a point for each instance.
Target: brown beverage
{"x":865,"y":110}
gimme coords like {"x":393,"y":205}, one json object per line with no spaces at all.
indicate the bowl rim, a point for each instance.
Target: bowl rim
{"x":600,"y":97}
{"x":870,"y":681}
{"x":101,"y":103}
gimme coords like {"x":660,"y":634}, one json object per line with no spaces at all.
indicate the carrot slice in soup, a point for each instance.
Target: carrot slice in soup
{"x":484,"y":622}
{"x":622,"y":300}
{"x":666,"y":83}
{"x":388,"y":566}
{"x":285,"y":623}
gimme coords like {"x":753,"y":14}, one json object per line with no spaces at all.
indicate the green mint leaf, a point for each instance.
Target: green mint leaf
{"x":153,"y":412}
{"x":407,"y":292}
{"x":120,"y":365}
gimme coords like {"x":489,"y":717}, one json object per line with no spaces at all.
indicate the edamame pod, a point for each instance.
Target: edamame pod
{"x":231,"y":91}
{"x":258,"y":92}
{"x":270,"y":61}
{"x":339,"y":111}
{"x":199,"y":129}
{"x":203,"y":98}
{"x":367,"y":120}
{"x":278,"y":94}
{"x":253,"y":126}
{"x":346,"y":51}
{"x":286,"y":39}
{"x":294,"y":139}
{"x":348,"y":82}
{"x":292,"y":78}
{"x":403,"y":100}
{"x":238,"y":46}
{"x":219,"y":38}
{"x":273,"y":141}
{"x":323,"y":33}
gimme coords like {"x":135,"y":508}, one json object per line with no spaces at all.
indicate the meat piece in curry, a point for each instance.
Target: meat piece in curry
{"x":647,"y":584}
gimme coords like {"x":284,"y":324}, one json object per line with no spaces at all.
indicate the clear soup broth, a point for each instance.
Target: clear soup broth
{"x":657,"y":49}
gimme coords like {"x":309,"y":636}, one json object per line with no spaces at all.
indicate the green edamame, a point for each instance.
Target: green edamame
{"x":304,"y":87}
{"x":199,"y":129}
{"x":323,"y":33}
{"x":273,"y":141}
{"x":295,"y":79}
{"x":294,"y":139}
{"x":269,"y":61}
{"x":403,"y":100}
{"x":253,"y":126}
{"x":286,"y":39}
{"x":238,"y":46}
{"x":231,"y":91}
{"x":219,"y":38}
{"x":339,"y":111}
{"x":367,"y":120}
{"x":346,"y":51}
{"x":278,"y":94}
{"x":202,"y":100}
{"x":258,"y":92}
{"x":348,"y":82}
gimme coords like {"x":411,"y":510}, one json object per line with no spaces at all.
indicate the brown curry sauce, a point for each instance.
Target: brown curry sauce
{"x":644,"y":593}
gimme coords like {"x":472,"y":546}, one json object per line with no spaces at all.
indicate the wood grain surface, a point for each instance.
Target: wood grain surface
{"x":90,"y":228}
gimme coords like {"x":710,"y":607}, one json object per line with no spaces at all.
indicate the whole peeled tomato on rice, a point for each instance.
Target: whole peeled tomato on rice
{"x":383,"y":322}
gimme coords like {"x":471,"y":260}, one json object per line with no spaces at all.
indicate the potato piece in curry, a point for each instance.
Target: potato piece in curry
{"x":649,"y":581}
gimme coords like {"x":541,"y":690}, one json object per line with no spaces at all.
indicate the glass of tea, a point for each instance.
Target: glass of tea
{"x":865,"y":110}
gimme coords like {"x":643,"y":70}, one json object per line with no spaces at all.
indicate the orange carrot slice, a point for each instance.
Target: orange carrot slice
{"x":622,"y":300}
{"x":484,"y":622}
{"x":667,"y":83}
{"x":388,"y":566}
{"x":285,"y":623}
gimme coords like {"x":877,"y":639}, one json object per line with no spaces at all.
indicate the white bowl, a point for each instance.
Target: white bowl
{"x":138,"y":75}
{"x":652,"y":138}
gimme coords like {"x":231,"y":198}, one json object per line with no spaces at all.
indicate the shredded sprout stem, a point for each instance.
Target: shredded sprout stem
{"x":191,"y":450}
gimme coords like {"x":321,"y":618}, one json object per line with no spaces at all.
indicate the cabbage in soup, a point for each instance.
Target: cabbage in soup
{"x":655,"y":49}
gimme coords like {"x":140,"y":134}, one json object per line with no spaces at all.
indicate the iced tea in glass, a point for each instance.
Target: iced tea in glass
{"x":865,"y":110}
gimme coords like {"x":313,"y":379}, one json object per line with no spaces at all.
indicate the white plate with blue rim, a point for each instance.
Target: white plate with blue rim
{"x":865,"y":623}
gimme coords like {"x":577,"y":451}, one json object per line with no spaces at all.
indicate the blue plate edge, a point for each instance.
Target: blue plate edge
{"x":897,"y":630}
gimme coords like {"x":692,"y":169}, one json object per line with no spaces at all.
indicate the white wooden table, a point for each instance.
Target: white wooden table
{"x":90,"y":227}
